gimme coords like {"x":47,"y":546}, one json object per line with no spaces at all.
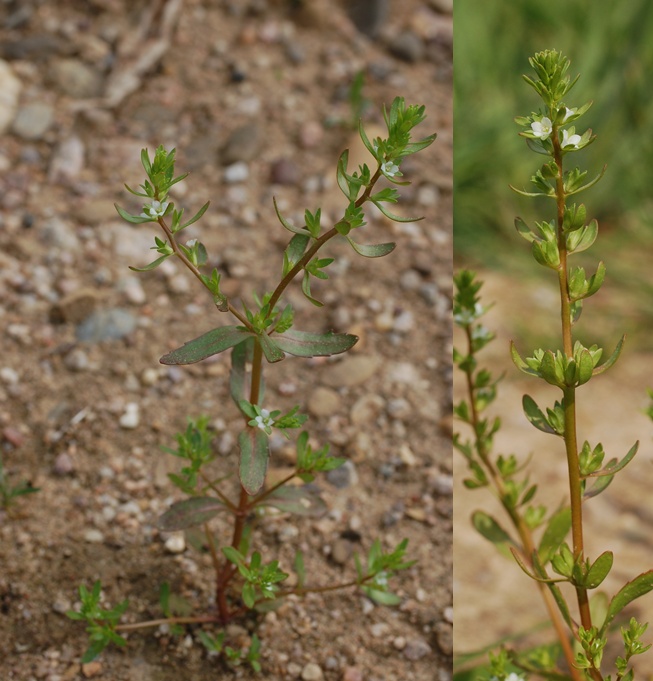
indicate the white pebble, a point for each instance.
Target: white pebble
{"x":312,"y":672}
{"x":9,"y":376}
{"x":175,"y":544}
{"x":236,"y":172}
{"x":131,"y":418}
{"x":93,"y":537}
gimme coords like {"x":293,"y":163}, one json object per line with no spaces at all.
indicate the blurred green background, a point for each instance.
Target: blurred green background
{"x":611,"y":45}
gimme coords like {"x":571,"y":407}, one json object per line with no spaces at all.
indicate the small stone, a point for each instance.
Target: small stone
{"x":324,"y":402}
{"x":410,"y":280}
{"x":9,"y":376}
{"x":379,"y":629}
{"x":110,"y":324}
{"x":60,"y":234}
{"x":133,"y":290}
{"x":368,"y":15}
{"x":67,"y":160}
{"x":74,"y":307}
{"x":312,"y":672}
{"x":284,"y":171}
{"x":76,"y":360}
{"x":310,"y":134}
{"x":175,"y":544}
{"x":366,"y":409}
{"x":93,"y":537}
{"x":404,"y":321}
{"x":131,"y":418}
{"x":428,"y":195}
{"x":399,"y":643}
{"x":341,"y":551}
{"x":149,"y":377}
{"x":96,"y":211}
{"x":407,"y":456}
{"x":344,"y":476}
{"x":398,"y":408}
{"x":75,"y":79}
{"x":242,"y":145}
{"x":407,"y":46}
{"x":441,"y":484}
{"x":416,"y":649}
{"x":33,"y":120}
{"x":91,"y":669}
{"x":63,"y":464}
{"x":352,"y":674}
{"x":178,"y":284}
{"x":448,"y":614}
{"x":13,"y":436}
{"x":444,"y":637}
{"x":294,"y":670}
{"x":10,"y":87}
{"x":352,"y":371}
{"x":236,"y":172}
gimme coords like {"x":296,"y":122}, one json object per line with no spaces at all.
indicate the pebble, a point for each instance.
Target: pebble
{"x":416,"y":649}
{"x":399,"y":643}
{"x":352,"y":371}
{"x":76,"y":360}
{"x":59,"y":234}
{"x":344,"y":476}
{"x":444,"y":637}
{"x":242,"y":145}
{"x":441,"y":484}
{"x":448,"y":614}
{"x":236,"y":172}
{"x":13,"y":436}
{"x":379,"y":629}
{"x":410,"y":280}
{"x":324,"y":402}
{"x":67,"y":160}
{"x":63,"y":464}
{"x":131,"y":418}
{"x":9,"y":376}
{"x":96,"y":211}
{"x":175,"y":544}
{"x":93,"y":537}
{"x":179,"y":284}
{"x":133,"y":290}
{"x":312,"y":672}
{"x":408,"y":46}
{"x":352,"y":674}
{"x":91,"y":669}
{"x":341,"y":551}
{"x":74,"y":78}
{"x":10,"y":87}
{"x":398,"y":408}
{"x":369,"y":16}
{"x":428,"y":195}
{"x":311,"y":134}
{"x":404,"y":321}
{"x":285,"y":171}
{"x":110,"y":324}
{"x":366,"y":409}
{"x":33,"y":120}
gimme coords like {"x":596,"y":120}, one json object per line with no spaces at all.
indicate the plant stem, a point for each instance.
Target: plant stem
{"x":524,"y":531}
{"x":166,"y":620}
{"x":569,"y":393}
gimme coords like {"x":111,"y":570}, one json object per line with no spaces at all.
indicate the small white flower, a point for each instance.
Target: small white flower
{"x":569,"y":112}
{"x":389,"y":168}
{"x":191,"y":242}
{"x":514,"y":677}
{"x":543,"y":128}
{"x":264,"y":421}
{"x":154,"y":210}
{"x":569,"y":140}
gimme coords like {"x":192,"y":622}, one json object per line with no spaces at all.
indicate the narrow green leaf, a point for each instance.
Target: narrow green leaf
{"x":365,"y":138}
{"x":151,"y":266}
{"x":306,"y":344}
{"x":612,"y":359}
{"x":294,"y":251}
{"x":613,"y":466}
{"x":489,"y":528}
{"x":599,"y":486}
{"x":372,"y":250}
{"x":535,"y":416}
{"x":300,"y":570}
{"x":519,"y":362}
{"x":591,"y":183}
{"x":392,"y":216}
{"x":306,"y":290}
{"x":637,"y":587}
{"x":190,"y":512}
{"x":254,"y":456}
{"x":341,"y":173}
{"x":382,"y":597}
{"x":290,"y":227}
{"x":271,"y":350}
{"x":195,"y":217}
{"x":135,"y":219}
{"x":555,"y":533}
{"x":211,"y":343}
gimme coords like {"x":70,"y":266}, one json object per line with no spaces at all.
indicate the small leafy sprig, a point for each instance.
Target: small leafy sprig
{"x":263,"y":330}
{"x":586,"y":622}
{"x":9,"y":492}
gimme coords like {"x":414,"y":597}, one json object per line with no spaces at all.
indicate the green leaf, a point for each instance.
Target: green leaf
{"x":637,"y":587}
{"x":489,"y":528}
{"x":612,"y":359}
{"x":195,"y":217}
{"x":535,"y":415}
{"x":151,"y":266}
{"x":271,"y":349}
{"x":555,"y":533}
{"x":372,"y":250}
{"x":307,"y":344}
{"x":306,"y":290}
{"x":381,"y":597}
{"x":240,"y":356}
{"x":599,"y":486}
{"x":599,"y":570}
{"x":302,"y":501}
{"x":392,"y":216}
{"x":290,"y":227}
{"x":294,"y":251}
{"x":211,"y":343}
{"x":341,"y":173}
{"x":135,"y":219}
{"x":300,"y":570}
{"x":615,"y":466}
{"x":254,"y":456}
{"x":189,"y":513}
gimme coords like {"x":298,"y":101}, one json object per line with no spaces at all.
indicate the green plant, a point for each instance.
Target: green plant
{"x":264,"y":330}
{"x":9,"y":492}
{"x":582,"y":624}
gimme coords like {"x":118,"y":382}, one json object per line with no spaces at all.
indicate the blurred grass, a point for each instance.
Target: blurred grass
{"x":609,"y":44}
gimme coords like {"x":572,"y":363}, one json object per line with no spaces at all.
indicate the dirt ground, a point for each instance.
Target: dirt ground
{"x":254,"y":95}
{"x":489,"y":587}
